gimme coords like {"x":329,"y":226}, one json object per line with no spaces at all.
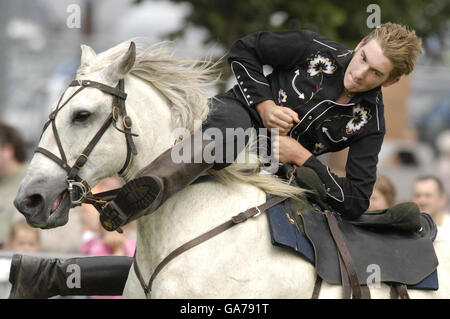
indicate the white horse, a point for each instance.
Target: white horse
{"x":165,"y":93}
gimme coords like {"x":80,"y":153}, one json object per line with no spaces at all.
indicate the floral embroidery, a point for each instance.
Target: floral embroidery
{"x":282,"y":96}
{"x":318,"y":148}
{"x":361,"y":117}
{"x":321,"y":63}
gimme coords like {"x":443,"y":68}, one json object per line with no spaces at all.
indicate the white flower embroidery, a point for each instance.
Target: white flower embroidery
{"x":282,"y":96}
{"x":360,"y":118}
{"x":321,"y":63}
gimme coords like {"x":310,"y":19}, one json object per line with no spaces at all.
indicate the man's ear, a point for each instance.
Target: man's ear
{"x":391,"y":82}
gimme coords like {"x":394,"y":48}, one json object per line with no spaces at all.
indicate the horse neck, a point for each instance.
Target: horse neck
{"x":152,"y":121}
{"x":188,"y":214}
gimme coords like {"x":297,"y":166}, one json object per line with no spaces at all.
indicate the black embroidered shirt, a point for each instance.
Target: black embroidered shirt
{"x":307,"y":76}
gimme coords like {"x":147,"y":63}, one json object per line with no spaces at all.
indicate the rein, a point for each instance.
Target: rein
{"x":79,"y":190}
{"x":235,"y":220}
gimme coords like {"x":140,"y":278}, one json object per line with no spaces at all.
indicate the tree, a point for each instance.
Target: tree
{"x":341,"y":20}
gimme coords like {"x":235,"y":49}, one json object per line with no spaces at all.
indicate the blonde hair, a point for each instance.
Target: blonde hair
{"x":384,"y":185}
{"x":399,"y":44}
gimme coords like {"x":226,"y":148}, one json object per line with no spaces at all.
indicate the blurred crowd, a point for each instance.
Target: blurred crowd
{"x":82,"y":235}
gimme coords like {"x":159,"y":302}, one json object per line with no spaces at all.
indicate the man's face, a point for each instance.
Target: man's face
{"x":426,"y":194}
{"x":368,"y":69}
{"x":377,"y":201}
{"x":26,"y":241}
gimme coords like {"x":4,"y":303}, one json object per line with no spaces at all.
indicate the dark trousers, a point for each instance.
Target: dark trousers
{"x":229,"y":123}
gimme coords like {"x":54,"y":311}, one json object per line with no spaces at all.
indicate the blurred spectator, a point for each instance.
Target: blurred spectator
{"x":12,"y":171}
{"x":428,"y":193}
{"x":442,"y":168}
{"x":90,"y":215}
{"x":66,"y":239}
{"x":109,"y":243}
{"x":434,"y":49}
{"x":90,"y":221}
{"x":98,"y":241}
{"x":383,"y":195}
{"x":22,"y":239}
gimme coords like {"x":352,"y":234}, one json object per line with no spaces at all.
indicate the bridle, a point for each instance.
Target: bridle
{"x":78,"y":189}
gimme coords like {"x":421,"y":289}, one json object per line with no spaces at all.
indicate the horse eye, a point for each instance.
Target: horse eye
{"x":81,"y":116}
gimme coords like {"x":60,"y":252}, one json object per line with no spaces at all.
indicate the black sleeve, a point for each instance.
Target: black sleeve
{"x":279,"y":49}
{"x":350,"y":195}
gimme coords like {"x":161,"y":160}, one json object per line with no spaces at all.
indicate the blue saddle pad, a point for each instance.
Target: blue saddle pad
{"x":284,"y":233}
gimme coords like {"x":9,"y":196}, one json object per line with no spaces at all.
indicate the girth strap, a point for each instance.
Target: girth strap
{"x":237,"y":219}
{"x":348,"y":269}
{"x":399,"y":291}
{"x":317,"y":286}
{"x":346,"y":287}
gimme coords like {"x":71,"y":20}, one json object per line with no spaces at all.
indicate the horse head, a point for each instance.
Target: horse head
{"x":163,"y":94}
{"x":45,"y":195}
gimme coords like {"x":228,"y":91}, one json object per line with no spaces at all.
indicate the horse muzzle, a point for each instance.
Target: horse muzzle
{"x":43,"y":209}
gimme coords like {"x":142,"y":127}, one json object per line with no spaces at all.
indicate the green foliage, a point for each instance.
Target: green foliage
{"x":341,"y":20}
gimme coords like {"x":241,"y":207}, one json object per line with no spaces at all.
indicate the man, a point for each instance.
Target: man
{"x":429,"y":195}
{"x":12,"y":171}
{"x":336,"y":96}
{"x":321,"y":96}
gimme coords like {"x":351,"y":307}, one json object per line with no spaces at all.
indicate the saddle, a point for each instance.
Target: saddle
{"x":392,"y":246}
{"x":400,"y":256}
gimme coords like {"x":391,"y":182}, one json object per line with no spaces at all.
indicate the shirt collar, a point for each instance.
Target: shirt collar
{"x":372,"y":96}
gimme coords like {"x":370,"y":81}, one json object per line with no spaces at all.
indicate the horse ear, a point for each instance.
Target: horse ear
{"x":123,"y":65}
{"x":87,"y":54}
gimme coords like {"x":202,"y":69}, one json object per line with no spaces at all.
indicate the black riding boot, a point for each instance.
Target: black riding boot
{"x":40,"y":278}
{"x":155,"y":183}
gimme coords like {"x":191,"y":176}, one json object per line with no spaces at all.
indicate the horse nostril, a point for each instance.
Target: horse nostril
{"x":31,"y":206}
{"x":33,"y":201}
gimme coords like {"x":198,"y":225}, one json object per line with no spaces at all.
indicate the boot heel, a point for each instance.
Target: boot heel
{"x":136,"y":195}
{"x":140,"y":193}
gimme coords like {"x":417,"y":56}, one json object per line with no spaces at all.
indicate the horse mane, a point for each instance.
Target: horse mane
{"x":184,"y":84}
